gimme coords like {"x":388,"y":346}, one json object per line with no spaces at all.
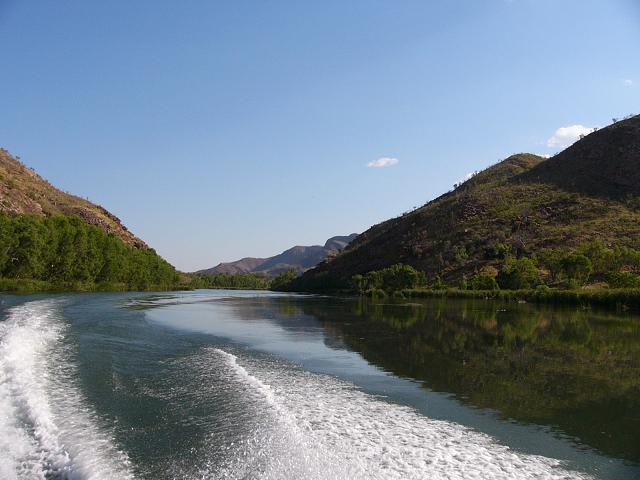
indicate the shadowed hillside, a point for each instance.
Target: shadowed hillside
{"x":603,"y":164}
{"x":516,"y":207}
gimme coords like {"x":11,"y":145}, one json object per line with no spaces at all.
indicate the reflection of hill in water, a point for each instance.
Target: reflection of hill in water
{"x":575,"y":370}
{"x":289,"y":313}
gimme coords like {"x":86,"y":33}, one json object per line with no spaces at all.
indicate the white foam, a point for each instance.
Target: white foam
{"x":318,"y":427}
{"x":46,"y":428}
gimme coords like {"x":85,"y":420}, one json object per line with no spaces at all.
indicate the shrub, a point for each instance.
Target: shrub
{"x":519,"y":274}
{"x":394,"y":278}
{"x":399,"y":277}
{"x":484,"y":282}
{"x":438,"y":284}
{"x":576,"y":268}
{"x":622,"y":280}
{"x":282,"y":282}
{"x":358,"y":283}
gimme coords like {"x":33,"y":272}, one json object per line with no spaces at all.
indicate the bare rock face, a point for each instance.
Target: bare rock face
{"x":23,"y":191}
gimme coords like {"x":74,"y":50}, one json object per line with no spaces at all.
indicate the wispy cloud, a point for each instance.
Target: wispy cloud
{"x":628,"y":82}
{"x":565,"y":136}
{"x":383,"y":162}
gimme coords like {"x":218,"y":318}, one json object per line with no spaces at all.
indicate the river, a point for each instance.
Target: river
{"x":219,"y":384}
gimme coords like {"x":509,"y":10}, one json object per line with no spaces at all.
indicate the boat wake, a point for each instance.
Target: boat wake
{"x":312,"y":426}
{"x":47,"y":430}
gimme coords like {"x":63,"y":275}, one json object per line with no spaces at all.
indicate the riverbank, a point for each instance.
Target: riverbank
{"x":619,"y":298}
{"x":26,"y":286}
{"x":612,"y":297}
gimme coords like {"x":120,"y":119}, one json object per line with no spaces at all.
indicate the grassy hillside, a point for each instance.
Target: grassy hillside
{"x":518,"y":208}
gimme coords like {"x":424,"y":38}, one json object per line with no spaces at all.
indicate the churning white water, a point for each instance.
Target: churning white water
{"x":318,"y":427}
{"x":47,"y":430}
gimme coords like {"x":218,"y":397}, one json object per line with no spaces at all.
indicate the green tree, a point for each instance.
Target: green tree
{"x":518,"y":274}
{"x":399,"y":277}
{"x":283,"y":281}
{"x":438,"y":284}
{"x":576,"y":268}
{"x":373,"y":280}
{"x":6,"y":241}
{"x":551,"y":259}
{"x":602,"y":258}
{"x":64,"y":250}
{"x":484,"y":282}
{"x":622,"y":280}
{"x":359,"y":283}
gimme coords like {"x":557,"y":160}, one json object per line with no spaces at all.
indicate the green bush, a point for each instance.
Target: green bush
{"x":282,"y":282}
{"x":543,"y":289}
{"x":622,"y":280}
{"x":391,"y":279}
{"x":358,"y":283}
{"x":438,"y":284}
{"x":519,"y":274}
{"x":577,"y":269}
{"x":398,"y":277}
{"x":484,"y":282}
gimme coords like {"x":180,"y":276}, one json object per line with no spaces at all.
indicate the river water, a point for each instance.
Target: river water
{"x":256,"y":385}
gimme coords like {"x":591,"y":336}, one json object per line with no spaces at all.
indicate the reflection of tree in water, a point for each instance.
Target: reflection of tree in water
{"x":574,"y":369}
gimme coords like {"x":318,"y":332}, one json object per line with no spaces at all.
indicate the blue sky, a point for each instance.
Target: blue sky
{"x":221,"y":130}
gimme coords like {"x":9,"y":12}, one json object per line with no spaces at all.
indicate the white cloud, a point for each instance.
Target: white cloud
{"x":383,"y":162}
{"x":628,"y":82}
{"x":543,"y":155}
{"x":565,"y":136}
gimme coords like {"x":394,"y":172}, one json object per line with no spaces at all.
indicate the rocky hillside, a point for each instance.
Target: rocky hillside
{"x":24,"y":191}
{"x":297,"y":258}
{"x":590,"y":191}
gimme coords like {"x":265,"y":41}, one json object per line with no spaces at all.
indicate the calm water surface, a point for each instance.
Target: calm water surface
{"x":255,"y":385}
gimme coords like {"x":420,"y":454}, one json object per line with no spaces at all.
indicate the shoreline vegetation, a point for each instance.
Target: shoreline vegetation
{"x":64,"y":253}
{"x":620,"y":298}
{"x":25,"y":286}
{"x":599,"y":295}
{"x":594,"y":274}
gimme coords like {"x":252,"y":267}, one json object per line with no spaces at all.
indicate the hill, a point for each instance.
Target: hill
{"x":51,"y":240}
{"x":298,"y":258}
{"x":24,"y":191}
{"x":519,"y":207}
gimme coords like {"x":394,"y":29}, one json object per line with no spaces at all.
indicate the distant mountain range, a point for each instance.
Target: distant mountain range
{"x":298,"y":258}
{"x":526,"y":203}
